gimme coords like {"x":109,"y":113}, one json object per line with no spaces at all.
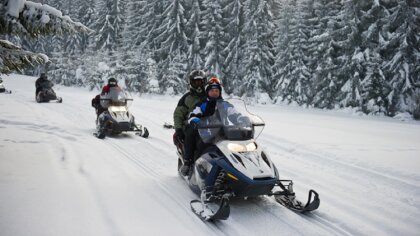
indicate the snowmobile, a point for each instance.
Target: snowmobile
{"x":116,"y":118}
{"x":2,"y":88}
{"x":233,"y":165}
{"x":45,"y":93}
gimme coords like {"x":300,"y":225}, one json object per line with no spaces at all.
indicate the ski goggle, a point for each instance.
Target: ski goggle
{"x":113,"y":83}
{"x":214,"y":80}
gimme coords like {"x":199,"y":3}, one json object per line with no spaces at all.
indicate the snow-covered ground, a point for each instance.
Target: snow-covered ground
{"x":56,"y":178}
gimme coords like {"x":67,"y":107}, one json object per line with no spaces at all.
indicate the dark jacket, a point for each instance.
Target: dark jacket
{"x":185,"y":105}
{"x":39,"y":81}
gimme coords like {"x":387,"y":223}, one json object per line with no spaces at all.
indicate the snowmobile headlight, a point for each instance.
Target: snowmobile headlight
{"x":234,"y":147}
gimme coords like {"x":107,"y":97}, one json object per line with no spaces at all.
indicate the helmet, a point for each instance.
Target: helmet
{"x":197,"y":80}
{"x":214,"y":83}
{"x":43,"y":76}
{"x":112,"y":82}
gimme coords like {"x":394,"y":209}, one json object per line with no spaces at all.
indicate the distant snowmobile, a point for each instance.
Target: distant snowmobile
{"x":233,"y":165}
{"x":45,"y":93}
{"x":2,"y":88}
{"x":116,"y":118}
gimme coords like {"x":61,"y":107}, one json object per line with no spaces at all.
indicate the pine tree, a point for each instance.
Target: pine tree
{"x":374,"y":89}
{"x":213,"y":33}
{"x":109,"y":25}
{"x":173,"y":47}
{"x":43,"y":20}
{"x":292,"y":72}
{"x":232,"y":66}
{"x":194,"y":29}
{"x":149,"y":30}
{"x":332,"y":43}
{"x":173,"y":81}
{"x":133,"y":35}
{"x":401,"y":54}
{"x":258,"y":48}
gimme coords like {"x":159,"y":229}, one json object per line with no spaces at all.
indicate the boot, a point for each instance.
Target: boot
{"x":185,"y":168}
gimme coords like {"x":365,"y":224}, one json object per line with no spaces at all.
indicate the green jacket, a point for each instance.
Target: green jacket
{"x":185,"y":105}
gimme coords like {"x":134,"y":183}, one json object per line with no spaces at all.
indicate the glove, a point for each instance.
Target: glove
{"x":180,"y":133}
{"x":195,"y":122}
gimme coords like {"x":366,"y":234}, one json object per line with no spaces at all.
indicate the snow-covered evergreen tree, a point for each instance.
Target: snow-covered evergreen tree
{"x":109,"y":25}
{"x":330,"y":58}
{"x":375,"y":89}
{"x":213,"y":34}
{"x":149,"y":30}
{"x":258,"y":48}
{"x":401,"y":54}
{"x":232,"y":66}
{"x":173,"y":47}
{"x":23,"y":17}
{"x":292,"y":73}
{"x":194,"y":31}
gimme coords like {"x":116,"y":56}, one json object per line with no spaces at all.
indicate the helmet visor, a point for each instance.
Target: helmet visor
{"x":196,"y":83}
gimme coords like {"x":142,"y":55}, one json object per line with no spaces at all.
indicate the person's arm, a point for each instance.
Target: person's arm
{"x":197,"y":113}
{"x":181,"y":112}
{"x":179,"y":116}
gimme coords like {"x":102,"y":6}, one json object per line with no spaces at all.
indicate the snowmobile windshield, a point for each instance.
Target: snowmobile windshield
{"x":227,"y":123}
{"x":115,"y":97}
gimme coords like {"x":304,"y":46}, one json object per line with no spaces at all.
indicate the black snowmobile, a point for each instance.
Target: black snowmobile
{"x":115,"y":117}
{"x":2,"y":88}
{"x":45,"y":93}
{"x":233,"y":165}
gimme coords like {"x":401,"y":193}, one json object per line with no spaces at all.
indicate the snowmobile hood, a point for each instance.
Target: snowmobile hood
{"x":248,"y":158}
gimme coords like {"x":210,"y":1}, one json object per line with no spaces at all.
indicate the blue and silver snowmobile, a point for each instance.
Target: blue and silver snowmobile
{"x":233,"y":165}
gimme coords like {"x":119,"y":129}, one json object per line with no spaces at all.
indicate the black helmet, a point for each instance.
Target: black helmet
{"x":43,"y":76}
{"x":112,"y":82}
{"x":197,"y":80}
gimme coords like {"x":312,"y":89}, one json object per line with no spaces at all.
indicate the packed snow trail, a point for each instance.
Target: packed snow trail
{"x":56,"y":178}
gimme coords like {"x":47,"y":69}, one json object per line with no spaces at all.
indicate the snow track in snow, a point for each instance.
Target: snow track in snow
{"x":54,"y":173}
{"x":348,"y":183}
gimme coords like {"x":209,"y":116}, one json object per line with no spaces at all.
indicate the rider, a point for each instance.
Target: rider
{"x":112,"y":82}
{"x":197,"y":80}
{"x":206,"y":108}
{"x":39,"y":82}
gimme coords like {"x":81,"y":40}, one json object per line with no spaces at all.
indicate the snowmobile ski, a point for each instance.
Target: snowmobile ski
{"x":99,"y":135}
{"x":168,"y":125}
{"x":142,"y":131}
{"x":289,"y":201}
{"x":211,"y":211}
{"x":7,"y":91}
